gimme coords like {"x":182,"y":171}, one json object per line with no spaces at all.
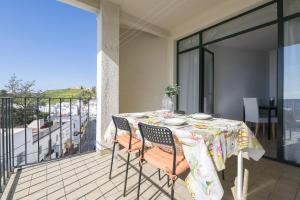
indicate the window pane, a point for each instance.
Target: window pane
{"x":188,"y":69}
{"x":291,"y":114}
{"x":291,"y":7}
{"x":190,"y":42}
{"x":250,"y":20}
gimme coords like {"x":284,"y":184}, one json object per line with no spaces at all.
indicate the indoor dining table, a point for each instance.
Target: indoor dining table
{"x":206,"y":145}
{"x":269,"y":108}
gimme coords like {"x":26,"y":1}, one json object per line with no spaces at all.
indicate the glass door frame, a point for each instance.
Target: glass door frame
{"x":280,"y":79}
{"x":201,"y":88}
{"x":205,"y":50}
{"x":280,"y":64}
{"x":202,"y":45}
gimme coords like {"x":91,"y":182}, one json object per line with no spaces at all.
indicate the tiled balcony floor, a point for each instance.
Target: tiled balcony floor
{"x":86,"y":177}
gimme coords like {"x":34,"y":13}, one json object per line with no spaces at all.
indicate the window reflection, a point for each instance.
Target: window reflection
{"x":291,"y":107}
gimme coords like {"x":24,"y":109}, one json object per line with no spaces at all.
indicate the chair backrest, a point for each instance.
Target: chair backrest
{"x":159,"y":135}
{"x":121,"y":123}
{"x":251,"y":110}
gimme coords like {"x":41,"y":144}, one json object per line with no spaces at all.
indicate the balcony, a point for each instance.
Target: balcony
{"x":35,"y":130}
{"x":85,"y":176}
{"x":75,"y":171}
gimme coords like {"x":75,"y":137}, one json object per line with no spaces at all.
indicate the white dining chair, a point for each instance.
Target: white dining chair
{"x":252,"y":115}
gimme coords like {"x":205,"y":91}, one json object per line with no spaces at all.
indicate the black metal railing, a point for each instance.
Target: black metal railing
{"x":36,"y":129}
{"x":6,"y":141}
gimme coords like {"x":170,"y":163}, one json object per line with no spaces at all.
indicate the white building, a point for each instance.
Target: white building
{"x":19,"y":146}
{"x":38,"y":140}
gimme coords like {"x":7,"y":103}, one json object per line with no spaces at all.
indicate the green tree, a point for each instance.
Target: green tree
{"x":3,"y":93}
{"x":86,"y":94}
{"x":13,"y":85}
{"x":19,"y":89}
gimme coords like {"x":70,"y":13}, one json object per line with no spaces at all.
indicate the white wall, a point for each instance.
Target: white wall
{"x":145,"y":71}
{"x":238,"y":73}
{"x":19,"y":145}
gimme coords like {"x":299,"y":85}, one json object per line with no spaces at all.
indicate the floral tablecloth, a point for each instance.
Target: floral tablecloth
{"x":206,"y":145}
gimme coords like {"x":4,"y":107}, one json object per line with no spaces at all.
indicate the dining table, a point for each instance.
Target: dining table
{"x":206,"y":144}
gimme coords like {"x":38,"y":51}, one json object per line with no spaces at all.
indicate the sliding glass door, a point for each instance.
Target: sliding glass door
{"x":291,"y":91}
{"x":195,"y":68}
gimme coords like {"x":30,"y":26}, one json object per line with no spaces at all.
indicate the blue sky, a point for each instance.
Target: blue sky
{"x":47,"y":41}
{"x":291,"y":72}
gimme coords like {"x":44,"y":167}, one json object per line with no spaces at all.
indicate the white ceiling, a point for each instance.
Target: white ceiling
{"x":171,"y":18}
{"x":264,"y":39}
{"x":165,"y":14}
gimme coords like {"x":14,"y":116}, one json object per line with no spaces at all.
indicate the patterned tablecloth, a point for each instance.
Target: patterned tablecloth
{"x":206,"y":146}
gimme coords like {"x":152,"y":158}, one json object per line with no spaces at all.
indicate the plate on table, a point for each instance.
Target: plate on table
{"x":201,"y":116}
{"x":137,"y":115}
{"x":175,"y":122}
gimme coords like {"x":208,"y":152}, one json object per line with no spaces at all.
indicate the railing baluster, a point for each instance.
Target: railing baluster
{"x":2,"y":132}
{"x":60,"y":128}
{"x":70,"y":125}
{"x":88,"y":125}
{"x":50,"y":141}
{"x":3,"y":142}
{"x":88,"y":114}
{"x":9,"y":133}
{"x":80,"y":125}
{"x":12,"y":134}
{"x":38,"y":126}
{"x":25,"y":127}
{"x":6,"y":138}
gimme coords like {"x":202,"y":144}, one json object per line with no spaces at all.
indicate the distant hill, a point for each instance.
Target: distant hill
{"x":68,"y":93}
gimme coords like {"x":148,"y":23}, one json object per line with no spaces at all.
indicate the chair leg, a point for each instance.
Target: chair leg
{"x":256,"y":129}
{"x":112,"y":160}
{"x":139,"y":184}
{"x":263,"y":129}
{"x":126,"y":175}
{"x":172,"y":189}
{"x":223,"y":174}
{"x":273,"y":130}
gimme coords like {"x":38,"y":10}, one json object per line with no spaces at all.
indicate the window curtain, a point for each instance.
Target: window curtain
{"x":188,"y":69}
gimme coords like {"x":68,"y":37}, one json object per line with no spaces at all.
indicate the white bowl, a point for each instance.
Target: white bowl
{"x":175,"y":121}
{"x":137,"y":115}
{"x":201,"y":116}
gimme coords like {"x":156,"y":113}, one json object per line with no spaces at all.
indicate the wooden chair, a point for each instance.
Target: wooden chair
{"x":167,"y":161}
{"x":127,"y":140}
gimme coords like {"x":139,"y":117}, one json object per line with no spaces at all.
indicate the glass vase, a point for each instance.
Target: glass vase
{"x":167,"y":103}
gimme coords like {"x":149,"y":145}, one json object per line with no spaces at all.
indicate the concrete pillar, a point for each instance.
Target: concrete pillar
{"x":107,"y":67}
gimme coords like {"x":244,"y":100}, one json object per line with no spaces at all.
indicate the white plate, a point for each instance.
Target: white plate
{"x":175,"y":121}
{"x":137,"y":115}
{"x":201,"y":116}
